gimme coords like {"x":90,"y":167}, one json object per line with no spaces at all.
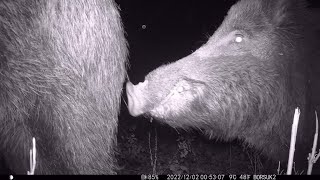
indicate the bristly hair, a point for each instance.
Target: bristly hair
{"x":280,"y":13}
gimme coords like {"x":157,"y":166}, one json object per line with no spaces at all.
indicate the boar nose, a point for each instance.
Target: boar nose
{"x":136,"y":102}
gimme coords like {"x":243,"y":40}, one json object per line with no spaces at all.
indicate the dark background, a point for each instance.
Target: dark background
{"x":160,"y":32}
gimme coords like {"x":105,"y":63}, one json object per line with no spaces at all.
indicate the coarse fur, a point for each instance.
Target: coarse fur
{"x":62,"y":68}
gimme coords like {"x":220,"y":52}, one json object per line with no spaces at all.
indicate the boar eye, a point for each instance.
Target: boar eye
{"x":238,"y":38}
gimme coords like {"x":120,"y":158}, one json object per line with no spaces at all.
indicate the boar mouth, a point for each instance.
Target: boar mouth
{"x":179,"y":99}
{"x":145,"y":101}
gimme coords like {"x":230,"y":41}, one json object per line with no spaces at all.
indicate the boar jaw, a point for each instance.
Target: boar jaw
{"x":178,"y":100}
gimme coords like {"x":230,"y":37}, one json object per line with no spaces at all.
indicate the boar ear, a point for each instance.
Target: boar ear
{"x":287,"y":11}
